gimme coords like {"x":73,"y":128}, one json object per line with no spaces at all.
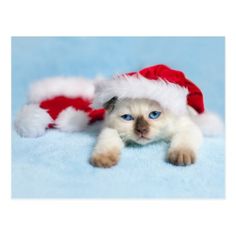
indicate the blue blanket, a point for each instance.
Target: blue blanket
{"x":56,"y":164}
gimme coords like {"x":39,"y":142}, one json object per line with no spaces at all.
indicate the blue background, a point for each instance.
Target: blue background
{"x":56,"y":164}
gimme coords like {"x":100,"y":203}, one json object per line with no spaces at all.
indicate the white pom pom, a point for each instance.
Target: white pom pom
{"x":32,"y":121}
{"x":71,"y":120}
{"x":210,"y":123}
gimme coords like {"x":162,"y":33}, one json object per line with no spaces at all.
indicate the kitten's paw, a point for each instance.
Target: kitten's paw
{"x":181,"y":156}
{"x":105,"y":160}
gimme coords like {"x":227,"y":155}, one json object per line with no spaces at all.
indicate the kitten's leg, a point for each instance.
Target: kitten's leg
{"x":184,"y":143}
{"x":107,"y":150}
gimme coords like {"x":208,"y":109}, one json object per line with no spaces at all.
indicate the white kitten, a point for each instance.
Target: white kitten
{"x":144,"y":121}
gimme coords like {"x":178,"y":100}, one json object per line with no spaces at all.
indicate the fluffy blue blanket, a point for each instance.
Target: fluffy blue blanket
{"x":56,"y":164}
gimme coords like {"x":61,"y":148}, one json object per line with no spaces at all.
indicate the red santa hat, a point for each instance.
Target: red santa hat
{"x":62,"y":103}
{"x":170,"y":88}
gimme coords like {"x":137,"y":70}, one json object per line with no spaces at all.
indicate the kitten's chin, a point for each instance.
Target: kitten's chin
{"x":143,"y":141}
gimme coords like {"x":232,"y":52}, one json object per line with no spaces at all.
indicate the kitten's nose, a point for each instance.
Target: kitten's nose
{"x":141,"y":130}
{"x":141,"y":126}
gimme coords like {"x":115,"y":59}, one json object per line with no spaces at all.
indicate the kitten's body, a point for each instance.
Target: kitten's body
{"x":182,"y":133}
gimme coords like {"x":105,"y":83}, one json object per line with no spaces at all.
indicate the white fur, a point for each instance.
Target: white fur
{"x":185,"y":134}
{"x":108,"y":140}
{"x":169,"y":95}
{"x":60,"y":86}
{"x":210,"y":123}
{"x":71,"y":120}
{"x":32,"y":121}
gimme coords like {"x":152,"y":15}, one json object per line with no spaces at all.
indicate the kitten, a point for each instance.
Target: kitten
{"x":144,"y":121}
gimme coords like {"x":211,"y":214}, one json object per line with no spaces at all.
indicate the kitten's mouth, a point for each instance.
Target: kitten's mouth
{"x":142,"y":137}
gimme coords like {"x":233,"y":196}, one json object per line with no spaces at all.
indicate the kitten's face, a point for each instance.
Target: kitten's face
{"x":137,"y":120}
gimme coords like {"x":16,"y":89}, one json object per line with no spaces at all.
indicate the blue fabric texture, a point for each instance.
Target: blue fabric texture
{"x":56,"y":164}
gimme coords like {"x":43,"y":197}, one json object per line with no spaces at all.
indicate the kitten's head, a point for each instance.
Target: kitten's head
{"x":136,"y":120}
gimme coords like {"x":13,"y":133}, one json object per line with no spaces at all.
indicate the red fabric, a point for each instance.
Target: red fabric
{"x":57,"y":104}
{"x":96,"y":115}
{"x":194,"y":97}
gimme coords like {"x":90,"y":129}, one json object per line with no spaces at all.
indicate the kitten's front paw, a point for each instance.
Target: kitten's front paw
{"x":181,"y":156}
{"x":105,"y":160}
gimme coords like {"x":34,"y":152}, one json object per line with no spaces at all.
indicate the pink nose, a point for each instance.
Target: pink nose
{"x":141,"y":130}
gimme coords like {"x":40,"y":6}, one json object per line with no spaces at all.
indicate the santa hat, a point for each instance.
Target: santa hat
{"x":63,"y":103}
{"x":169,"y":87}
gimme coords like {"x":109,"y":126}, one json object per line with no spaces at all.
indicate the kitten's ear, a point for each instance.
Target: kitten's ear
{"x":109,"y":105}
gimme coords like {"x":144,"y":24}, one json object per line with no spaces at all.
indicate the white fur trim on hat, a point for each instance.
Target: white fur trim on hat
{"x":170,"y":96}
{"x":71,"y":120}
{"x":60,"y":86}
{"x":32,"y":121}
{"x":210,"y":123}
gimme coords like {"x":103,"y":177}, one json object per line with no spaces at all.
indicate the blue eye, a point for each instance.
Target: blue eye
{"x":154,"y":114}
{"x":127,"y":117}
